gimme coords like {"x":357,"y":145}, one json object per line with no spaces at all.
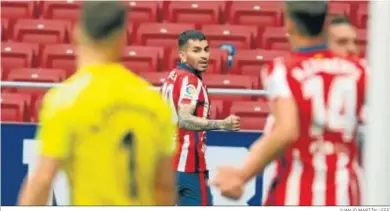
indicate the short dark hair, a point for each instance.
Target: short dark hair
{"x":190,"y":35}
{"x":309,"y":16}
{"x":340,"y":19}
{"x":100,"y":19}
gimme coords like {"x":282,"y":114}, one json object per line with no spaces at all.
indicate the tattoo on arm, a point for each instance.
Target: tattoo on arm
{"x":190,"y":122}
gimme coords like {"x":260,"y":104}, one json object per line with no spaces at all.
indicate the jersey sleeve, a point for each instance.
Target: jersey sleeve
{"x":189,"y":90}
{"x":53,"y":131}
{"x":275,"y":80}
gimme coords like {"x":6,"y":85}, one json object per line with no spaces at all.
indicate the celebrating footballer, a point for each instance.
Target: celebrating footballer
{"x":188,"y":97}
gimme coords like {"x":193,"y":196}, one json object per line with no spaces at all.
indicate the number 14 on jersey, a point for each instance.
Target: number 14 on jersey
{"x":333,"y":109}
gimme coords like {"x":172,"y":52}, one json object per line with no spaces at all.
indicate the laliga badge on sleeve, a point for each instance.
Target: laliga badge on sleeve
{"x":190,"y":91}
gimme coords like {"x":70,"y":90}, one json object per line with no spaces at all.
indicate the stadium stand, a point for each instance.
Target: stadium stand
{"x":36,"y":35}
{"x":339,"y":8}
{"x":249,"y":62}
{"x":199,"y":12}
{"x":59,"y":56}
{"x":61,"y":10}
{"x":256,"y":13}
{"x":16,"y":55}
{"x":144,"y":11}
{"x":41,"y":31}
{"x":14,"y":107}
{"x":238,"y":35}
{"x":19,"y":9}
{"x":361,"y":16}
{"x":4,"y":29}
{"x":143,"y":58}
{"x":35,"y":75}
{"x":251,"y":112}
{"x":275,"y":38}
{"x":160,"y":34}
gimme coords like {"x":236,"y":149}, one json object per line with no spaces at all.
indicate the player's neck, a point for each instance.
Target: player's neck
{"x":92,"y":57}
{"x":305,"y":42}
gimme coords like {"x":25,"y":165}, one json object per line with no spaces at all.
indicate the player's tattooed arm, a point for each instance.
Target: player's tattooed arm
{"x":190,"y":122}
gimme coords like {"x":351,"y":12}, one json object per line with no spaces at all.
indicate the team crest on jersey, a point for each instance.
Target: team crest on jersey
{"x":190,"y":91}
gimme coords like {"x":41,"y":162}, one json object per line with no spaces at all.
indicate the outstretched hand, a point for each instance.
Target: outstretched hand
{"x":229,"y":182}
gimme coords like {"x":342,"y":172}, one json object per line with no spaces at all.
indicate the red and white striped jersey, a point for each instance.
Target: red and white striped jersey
{"x":184,"y":86}
{"x":321,"y":167}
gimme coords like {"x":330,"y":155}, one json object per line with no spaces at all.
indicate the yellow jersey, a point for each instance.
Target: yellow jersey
{"x":109,"y":128}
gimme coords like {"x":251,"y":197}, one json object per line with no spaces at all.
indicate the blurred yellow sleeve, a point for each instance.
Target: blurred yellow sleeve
{"x":168,"y":131}
{"x":53,"y":131}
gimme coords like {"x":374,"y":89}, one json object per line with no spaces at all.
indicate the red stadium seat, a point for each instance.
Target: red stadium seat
{"x":216,"y":109}
{"x":230,"y":81}
{"x":339,"y":8}
{"x":18,"y":9}
{"x":249,"y":62}
{"x":200,"y":12}
{"x":155,"y":78}
{"x":233,"y":82}
{"x":59,"y":56}
{"x":65,"y":10}
{"x":253,"y":114}
{"x":252,"y":123}
{"x":250,"y":108}
{"x":362,"y":16}
{"x":362,"y":39}
{"x":35,"y":75}
{"x":42,"y":31}
{"x":131,"y":35}
{"x":17,"y":55}
{"x":275,"y":38}
{"x":260,"y":13}
{"x":143,"y":11}
{"x":14,"y":107}
{"x":239,"y":36}
{"x":217,"y":62}
{"x":161,"y":34}
{"x":5,"y":31}
{"x":142,"y":58}
{"x":35,"y":108}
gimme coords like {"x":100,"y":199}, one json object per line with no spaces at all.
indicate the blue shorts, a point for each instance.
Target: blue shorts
{"x":193,"y":189}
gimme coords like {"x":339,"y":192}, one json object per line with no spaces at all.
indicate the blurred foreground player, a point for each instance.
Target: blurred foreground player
{"x":188,"y":97}
{"x":316,"y":99}
{"x":342,"y":36}
{"x":342,"y":40}
{"x":110,"y":132}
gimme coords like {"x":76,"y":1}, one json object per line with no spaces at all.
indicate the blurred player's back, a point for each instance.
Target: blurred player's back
{"x":113,"y":117}
{"x":330,"y":92}
{"x":321,"y":167}
{"x":104,"y":125}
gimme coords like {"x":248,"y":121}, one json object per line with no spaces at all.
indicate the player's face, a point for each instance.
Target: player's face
{"x":196,"y":54}
{"x":343,"y":39}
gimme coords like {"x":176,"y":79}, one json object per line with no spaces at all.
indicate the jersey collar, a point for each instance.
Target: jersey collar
{"x":320,"y":47}
{"x":185,"y":67}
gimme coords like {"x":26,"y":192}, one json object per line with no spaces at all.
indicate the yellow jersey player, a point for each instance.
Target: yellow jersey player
{"x":104,"y":126}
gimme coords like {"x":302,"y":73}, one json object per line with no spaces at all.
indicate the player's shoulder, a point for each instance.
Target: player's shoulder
{"x":180,"y":73}
{"x":270,"y":67}
{"x":62,"y":98}
{"x":184,"y":76}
